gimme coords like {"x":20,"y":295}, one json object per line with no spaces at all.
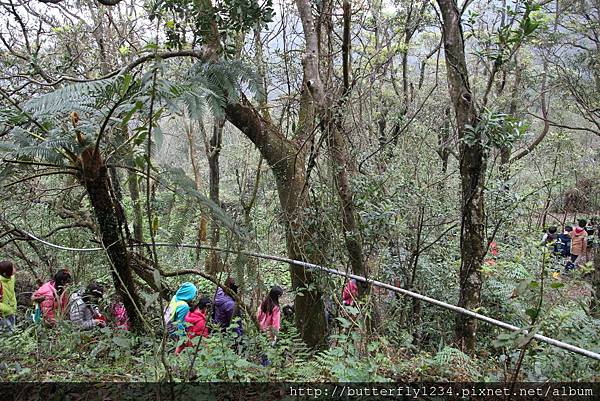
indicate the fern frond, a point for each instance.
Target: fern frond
{"x":186,"y":187}
{"x":178,"y":230}
{"x":78,"y":97}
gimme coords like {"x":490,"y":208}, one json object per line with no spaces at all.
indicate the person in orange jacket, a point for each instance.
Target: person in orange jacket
{"x":578,"y":242}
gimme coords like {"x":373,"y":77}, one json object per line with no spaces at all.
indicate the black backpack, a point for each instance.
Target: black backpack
{"x":562,"y":246}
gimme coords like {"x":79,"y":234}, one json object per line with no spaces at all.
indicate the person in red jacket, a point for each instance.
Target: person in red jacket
{"x":196,"y":318}
{"x":492,"y":253}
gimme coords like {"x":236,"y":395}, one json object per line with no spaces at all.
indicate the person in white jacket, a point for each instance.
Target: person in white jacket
{"x":83,"y":311}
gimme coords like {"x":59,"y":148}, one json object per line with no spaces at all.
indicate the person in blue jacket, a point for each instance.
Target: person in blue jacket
{"x":178,"y":308}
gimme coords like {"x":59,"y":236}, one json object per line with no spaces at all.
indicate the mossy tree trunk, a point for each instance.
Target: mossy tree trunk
{"x":94,"y":177}
{"x":472,"y":167}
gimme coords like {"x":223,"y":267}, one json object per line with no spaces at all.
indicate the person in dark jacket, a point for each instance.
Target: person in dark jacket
{"x":549,"y":236}
{"x":226,"y":309}
{"x":562,"y":246}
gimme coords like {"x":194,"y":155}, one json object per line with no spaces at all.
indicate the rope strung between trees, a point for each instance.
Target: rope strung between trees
{"x":312,"y":266}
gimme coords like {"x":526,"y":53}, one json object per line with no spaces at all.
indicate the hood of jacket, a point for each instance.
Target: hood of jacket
{"x":578,"y":231}
{"x":223,"y":299}
{"x":187,"y":292}
{"x":47,"y":289}
{"x":196,"y":316}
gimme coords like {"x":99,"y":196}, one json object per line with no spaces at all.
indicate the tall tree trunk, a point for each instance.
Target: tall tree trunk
{"x":253,"y":266}
{"x":352,"y":235}
{"x":212,"y":39}
{"x":213,"y":152}
{"x":505,"y":151}
{"x":472,"y":174}
{"x":193,"y":153}
{"x":343,"y":163}
{"x":286,"y":159}
{"x":134,"y":192}
{"x":332,"y":121}
{"x":94,"y":177}
{"x":443,"y":149}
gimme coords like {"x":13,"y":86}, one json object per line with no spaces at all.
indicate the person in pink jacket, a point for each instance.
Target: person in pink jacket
{"x":269,"y":317}
{"x":51,"y":297}
{"x":350,"y":294}
{"x":119,"y":315}
{"x":269,"y":313}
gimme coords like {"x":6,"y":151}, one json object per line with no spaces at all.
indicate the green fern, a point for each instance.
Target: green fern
{"x":178,"y":229}
{"x":186,"y":188}
{"x":81,"y":97}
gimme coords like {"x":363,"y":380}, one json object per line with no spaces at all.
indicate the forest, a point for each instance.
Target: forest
{"x":307,"y":191}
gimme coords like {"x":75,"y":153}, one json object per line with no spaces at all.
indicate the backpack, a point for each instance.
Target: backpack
{"x":169,"y":315}
{"x":36,"y":316}
{"x":562,"y":246}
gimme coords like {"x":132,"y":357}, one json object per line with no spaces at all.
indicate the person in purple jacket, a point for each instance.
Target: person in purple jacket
{"x":226,"y":309}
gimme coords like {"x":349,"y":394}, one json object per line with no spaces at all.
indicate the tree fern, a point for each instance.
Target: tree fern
{"x":178,"y":228}
{"x":81,"y":96}
{"x":454,"y":361}
{"x":186,"y":187}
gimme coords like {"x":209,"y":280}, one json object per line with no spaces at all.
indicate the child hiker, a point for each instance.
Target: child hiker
{"x":350,"y":293}
{"x":52,"y":298}
{"x":197,"y":319}
{"x":178,"y":308}
{"x":83,"y":310}
{"x":226,"y":309}
{"x":269,"y":317}
{"x":119,"y":315}
{"x":8,"y":299}
{"x":578,"y":243}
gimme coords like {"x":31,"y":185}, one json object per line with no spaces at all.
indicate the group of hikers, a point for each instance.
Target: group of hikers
{"x":184,"y":319}
{"x":52,"y":301}
{"x":572,"y":243}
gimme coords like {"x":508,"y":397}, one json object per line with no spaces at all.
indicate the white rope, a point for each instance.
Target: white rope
{"x":458,"y":309}
{"x":62,"y":248}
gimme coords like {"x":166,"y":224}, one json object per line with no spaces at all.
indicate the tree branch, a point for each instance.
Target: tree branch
{"x":524,"y":152}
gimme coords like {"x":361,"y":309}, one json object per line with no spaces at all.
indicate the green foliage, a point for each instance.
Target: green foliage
{"x":195,"y":22}
{"x":345,"y":363}
{"x":495,"y":130}
{"x":520,"y":23}
{"x":186,"y":186}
